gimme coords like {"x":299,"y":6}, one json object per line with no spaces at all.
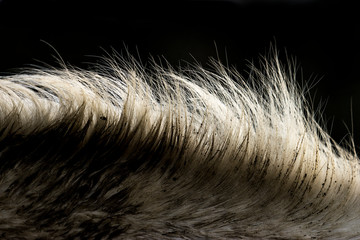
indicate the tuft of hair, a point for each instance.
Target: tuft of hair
{"x":127,"y":153}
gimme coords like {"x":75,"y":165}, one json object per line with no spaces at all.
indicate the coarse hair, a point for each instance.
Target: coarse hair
{"x":124,"y":152}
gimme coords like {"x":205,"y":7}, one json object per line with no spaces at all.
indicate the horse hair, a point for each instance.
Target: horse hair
{"x":124,"y":152}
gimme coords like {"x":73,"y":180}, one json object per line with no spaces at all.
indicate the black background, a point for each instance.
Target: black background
{"x":323,"y":36}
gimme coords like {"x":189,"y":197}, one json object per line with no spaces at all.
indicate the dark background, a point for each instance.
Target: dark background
{"x":323,"y":36}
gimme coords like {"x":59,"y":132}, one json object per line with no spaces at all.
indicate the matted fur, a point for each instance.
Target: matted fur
{"x":121,"y":153}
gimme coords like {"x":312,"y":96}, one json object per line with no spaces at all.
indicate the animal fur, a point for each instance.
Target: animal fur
{"x":127,"y":153}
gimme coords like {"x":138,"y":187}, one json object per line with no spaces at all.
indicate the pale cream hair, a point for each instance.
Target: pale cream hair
{"x":181,"y":154}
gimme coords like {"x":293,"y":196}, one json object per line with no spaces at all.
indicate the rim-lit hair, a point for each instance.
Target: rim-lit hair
{"x":124,"y":153}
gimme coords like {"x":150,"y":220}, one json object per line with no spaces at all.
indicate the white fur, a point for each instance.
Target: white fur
{"x":123,"y":153}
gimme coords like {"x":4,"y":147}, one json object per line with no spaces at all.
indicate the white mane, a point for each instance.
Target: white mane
{"x":121,"y":153}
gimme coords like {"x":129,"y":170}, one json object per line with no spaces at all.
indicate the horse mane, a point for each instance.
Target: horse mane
{"x":124,"y":152}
